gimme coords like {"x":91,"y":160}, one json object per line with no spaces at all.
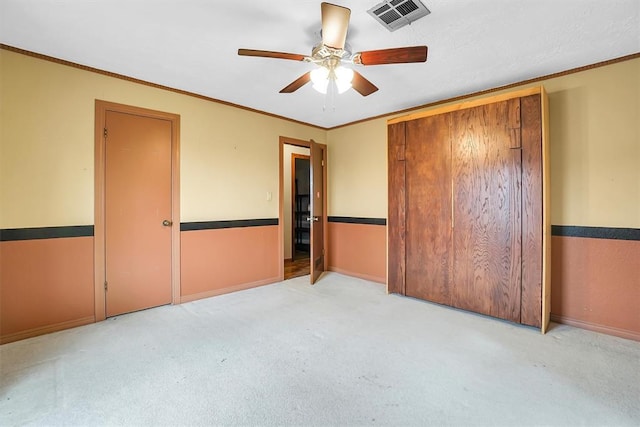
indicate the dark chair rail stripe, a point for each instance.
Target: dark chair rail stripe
{"x":215,"y":225}
{"x":356,"y":220}
{"x":10,"y":234}
{"x":596,"y":232}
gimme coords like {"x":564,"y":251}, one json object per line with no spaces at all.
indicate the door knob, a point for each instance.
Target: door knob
{"x":167,"y":223}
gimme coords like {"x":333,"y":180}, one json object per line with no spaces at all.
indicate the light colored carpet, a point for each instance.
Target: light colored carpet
{"x":341,"y":352}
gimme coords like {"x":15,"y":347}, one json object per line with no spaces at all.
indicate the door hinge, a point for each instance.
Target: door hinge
{"x":322,"y":163}
{"x":105,"y":132}
{"x":322,"y":251}
{"x":105,"y":285}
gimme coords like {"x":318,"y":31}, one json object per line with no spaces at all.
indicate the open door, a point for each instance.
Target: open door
{"x":317,"y":218}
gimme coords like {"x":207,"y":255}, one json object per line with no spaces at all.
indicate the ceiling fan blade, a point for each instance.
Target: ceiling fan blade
{"x":270,"y":54}
{"x":335,"y":23}
{"x":362,"y":85}
{"x":399,"y":55}
{"x":297,"y":83}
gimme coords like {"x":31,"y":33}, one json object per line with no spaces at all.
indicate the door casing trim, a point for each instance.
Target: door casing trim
{"x":101,"y":108}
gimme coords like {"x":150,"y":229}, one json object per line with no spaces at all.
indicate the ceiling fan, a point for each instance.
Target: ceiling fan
{"x":332,"y":52}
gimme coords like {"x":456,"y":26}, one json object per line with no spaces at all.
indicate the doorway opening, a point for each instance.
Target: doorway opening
{"x":297,"y":211}
{"x":302,"y":218}
{"x":300,"y":206}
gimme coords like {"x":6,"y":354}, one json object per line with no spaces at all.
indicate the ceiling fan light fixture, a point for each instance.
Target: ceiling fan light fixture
{"x":320,"y":79}
{"x":344,"y":77}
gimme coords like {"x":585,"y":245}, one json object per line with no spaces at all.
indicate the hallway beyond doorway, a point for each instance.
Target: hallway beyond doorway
{"x":296,"y":267}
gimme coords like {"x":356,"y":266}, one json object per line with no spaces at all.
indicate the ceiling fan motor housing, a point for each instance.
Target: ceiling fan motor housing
{"x":322,"y":52}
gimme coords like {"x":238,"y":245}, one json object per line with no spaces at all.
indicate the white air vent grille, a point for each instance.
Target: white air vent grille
{"x":394,"y":14}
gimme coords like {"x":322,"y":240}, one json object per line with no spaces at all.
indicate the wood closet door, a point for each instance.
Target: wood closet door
{"x":428,"y":209}
{"x":487,"y":220}
{"x":532,"y":230}
{"x":396,"y":254}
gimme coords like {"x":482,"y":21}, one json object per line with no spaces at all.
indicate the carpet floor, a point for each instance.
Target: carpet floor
{"x":341,"y":352}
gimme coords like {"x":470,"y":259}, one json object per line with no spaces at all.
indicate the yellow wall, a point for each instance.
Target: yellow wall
{"x":229,"y":156}
{"x":227,"y":167}
{"x":595,"y":146}
{"x":357,"y":169}
{"x":595,"y":152}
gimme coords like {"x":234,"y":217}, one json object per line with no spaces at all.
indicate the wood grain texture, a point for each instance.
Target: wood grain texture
{"x":449,"y":106}
{"x":546,"y":215}
{"x":363,"y":86}
{"x":487,"y":212}
{"x":469,"y":245}
{"x":531,"y":311}
{"x":396,"y":215}
{"x":428,"y":215}
{"x":318,"y":209}
{"x":297,"y":83}
{"x":398,"y":55}
{"x":271,"y":54}
{"x":296,"y":268}
{"x":513,"y":111}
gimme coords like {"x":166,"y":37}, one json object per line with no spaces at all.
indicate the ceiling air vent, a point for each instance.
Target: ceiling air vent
{"x":394,"y":14}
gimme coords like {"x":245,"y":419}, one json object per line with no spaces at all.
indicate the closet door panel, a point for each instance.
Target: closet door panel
{"x":531,"y":312}
{"x":396,"y":213}
{"x":486,"y":168}
{"x":428,"y":213}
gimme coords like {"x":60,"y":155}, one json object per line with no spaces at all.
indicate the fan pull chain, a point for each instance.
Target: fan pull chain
{"x":331,"y":96}
{"x":333,"y":89}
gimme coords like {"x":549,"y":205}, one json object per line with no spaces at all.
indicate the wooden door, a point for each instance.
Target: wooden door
{"x":428,"y":211}
{"x":487,"y":220}
{"x":317,"y":211}
{"x":396,"y":230}
{"x":137,"y":212}
{"x":532,"y":211}
{"x":499,"y":238}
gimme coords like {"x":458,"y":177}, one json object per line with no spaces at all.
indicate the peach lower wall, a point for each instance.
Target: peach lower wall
{"x":595,"y":284}
{"x":224,"y":260}
{"x":45,"y":285}
{"x":358,"y":250}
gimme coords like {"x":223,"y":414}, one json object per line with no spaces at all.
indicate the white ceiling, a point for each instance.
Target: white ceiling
{"x":192,"y":45}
